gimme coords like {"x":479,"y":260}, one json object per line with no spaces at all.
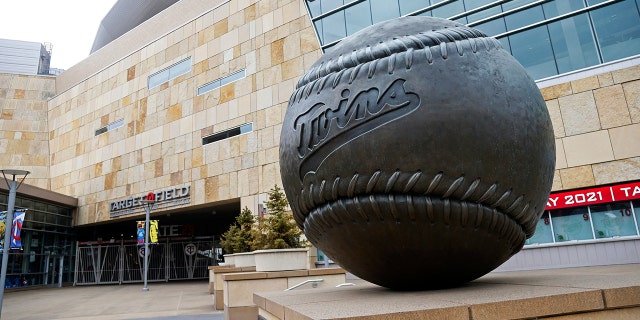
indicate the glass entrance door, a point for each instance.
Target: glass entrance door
{"x":53,"y":275}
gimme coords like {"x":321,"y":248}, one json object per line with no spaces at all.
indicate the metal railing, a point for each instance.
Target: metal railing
{"x":313,"y":281}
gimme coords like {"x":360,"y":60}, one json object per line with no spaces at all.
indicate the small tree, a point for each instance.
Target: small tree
{"x":240,"y":235}
{"x":279,"y":230}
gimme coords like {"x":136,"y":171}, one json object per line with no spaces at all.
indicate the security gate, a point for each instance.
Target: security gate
{"x":124,"y":263}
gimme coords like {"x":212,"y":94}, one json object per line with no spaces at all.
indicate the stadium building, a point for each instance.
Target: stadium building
{"x":187,"y":101}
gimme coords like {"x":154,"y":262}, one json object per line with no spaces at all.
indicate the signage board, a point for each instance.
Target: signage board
{"x":597,"y":195}
{"x":165,"y":198}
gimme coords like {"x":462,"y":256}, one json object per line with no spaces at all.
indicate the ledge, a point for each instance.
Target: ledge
{"x":601,"y":292}
{"x":280,"y":274}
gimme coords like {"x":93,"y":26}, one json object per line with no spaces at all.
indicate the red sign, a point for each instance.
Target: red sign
{"x":577,"y":198}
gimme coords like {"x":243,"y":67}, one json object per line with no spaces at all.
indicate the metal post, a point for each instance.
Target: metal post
{"x":8,"y":224}
{"x":146,"y":245}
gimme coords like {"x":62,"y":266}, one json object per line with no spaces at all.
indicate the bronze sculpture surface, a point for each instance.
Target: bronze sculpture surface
{"x":417,"y":154}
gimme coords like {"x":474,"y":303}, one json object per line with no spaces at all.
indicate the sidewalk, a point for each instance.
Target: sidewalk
{"x":177,"y":300}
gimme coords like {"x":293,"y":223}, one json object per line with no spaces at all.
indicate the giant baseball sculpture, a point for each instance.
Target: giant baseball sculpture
{"x":417,"y":154}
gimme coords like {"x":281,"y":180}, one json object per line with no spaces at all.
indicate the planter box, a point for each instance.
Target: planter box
{"x":242,"y":259}
{"x":229,"y":259}
{"x":281,"y":259}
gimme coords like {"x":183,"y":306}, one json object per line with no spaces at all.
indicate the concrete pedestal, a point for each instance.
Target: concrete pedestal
{"x":594,"y":293}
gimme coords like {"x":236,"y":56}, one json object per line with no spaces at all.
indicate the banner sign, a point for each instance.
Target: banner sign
{"x":140,"y":233}
{"x":153,"y":232}
{"x":598,"y":195}
{"x":16,"y":228}
{"x":3,"y":227}
{"x":164,"y":199}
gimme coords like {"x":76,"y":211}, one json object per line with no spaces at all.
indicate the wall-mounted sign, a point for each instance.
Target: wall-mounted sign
{"x":164,"y":199}
{"x":578,"y":198}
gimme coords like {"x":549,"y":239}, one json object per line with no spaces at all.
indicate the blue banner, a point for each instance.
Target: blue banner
{"x":16,"y":228}
{"x":140,"y":233}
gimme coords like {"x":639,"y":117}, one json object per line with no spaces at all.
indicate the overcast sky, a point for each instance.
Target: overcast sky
{"x":69,"y":25}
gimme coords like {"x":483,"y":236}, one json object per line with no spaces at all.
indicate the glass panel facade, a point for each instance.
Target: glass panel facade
{"x":532,"y":48}
{"x":382,"y":10}
{"x":409,"y":6}
{"x":544,"y":233}
{"x":573,"y":44}
{"x":47,"y":239}
{"x":558,"y":36}
{"x":355,"y":20}
{"x":524,"y":18}
{"x":617,"y":28}
{"x":333,"y":27}
{"x":613,"y":220}
{"x":572,"y":224}
{"x":602,"y":221}
{"x":636,"y":214}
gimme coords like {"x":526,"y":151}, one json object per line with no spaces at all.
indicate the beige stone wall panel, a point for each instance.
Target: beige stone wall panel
{"x":577,"y":177}
{"x":579,"y":113}
{"x":593,"y":147}
{"x":612,"y":107}
{"x":556,"y":91}
{"x":625,"y":141}
{"x":585,"y":84}
{"x":626,"y":74}
{"x":632,"y":96}
{"x":617,"y":171}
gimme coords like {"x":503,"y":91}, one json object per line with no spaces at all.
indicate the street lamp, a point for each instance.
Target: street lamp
{"x":8,"y":223}
{"x":149,"y":201}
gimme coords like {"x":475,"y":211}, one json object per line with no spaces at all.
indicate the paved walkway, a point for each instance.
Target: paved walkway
{"x":178,"y":300}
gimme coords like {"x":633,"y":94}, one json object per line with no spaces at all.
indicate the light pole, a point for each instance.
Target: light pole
{"x":8,"y":223}
{"x":149,"y":201}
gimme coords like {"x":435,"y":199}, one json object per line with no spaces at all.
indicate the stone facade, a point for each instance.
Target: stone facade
{"x":597,"y":128}
{"x":24,"y":133}
{"x":596,"y":118}
{"x":160,"y":143}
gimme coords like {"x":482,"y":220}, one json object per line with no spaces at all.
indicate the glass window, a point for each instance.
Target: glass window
{"x":484,"y":13}
{"x":543,"y":232}
{"x":358,"y":17}
{"x":245,"y":128}
{"x":613,"y":220}
{"x":314,"y":8}
{"x":573,"y":43}
{"x":158,"y":79}
{"x":180,"y":68}
{"x":449,"y":10}
{"x":636,"y":211}
{"x":169,"y":73}
{"x":516,"y":4}
{"x":532,"y":48}
{"x":221,"y":82}
{"x":382,"y":10}
{"x":408,"y":6}
{"x":571,"y":224}
{"x":524,"y":18}
{"x":334,"y":27}
{"x":505,"y":43}
{"x":318,"y":25}
{"x":617,"y":28}
{"x":492,"y":27}
{"x":328,"y":5}
{"x":558,"y":8}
